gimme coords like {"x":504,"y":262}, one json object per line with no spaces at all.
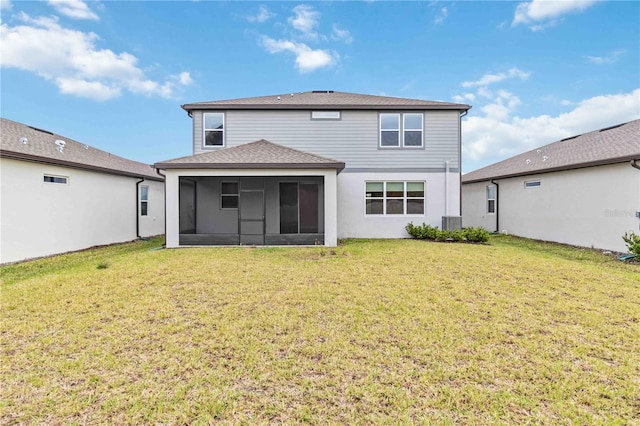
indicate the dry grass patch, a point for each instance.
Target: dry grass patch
{"x":398,"y":331}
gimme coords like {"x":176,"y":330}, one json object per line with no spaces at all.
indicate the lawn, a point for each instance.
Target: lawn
{"x":378,"y":331}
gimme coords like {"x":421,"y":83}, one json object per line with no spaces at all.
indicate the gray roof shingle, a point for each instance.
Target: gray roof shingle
{"x":260,"y":154}
{"x":615,"y":144}
{"x":40,"y":147}
{"x":326,"y":99}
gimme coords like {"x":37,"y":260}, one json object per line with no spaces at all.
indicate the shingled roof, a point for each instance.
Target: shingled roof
{"x":615,"y":144}
{"x":21,"y":142}
{"x":324,"y":99}
{"x":260,"y":154}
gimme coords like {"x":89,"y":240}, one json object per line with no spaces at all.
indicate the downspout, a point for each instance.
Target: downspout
{"x":138,"y":208}
{"x":446,"y":188}
{"x":634,"y":164}
{"x":497,"y":204}
{"x":462,"y":114}
{"x":164,"y":180}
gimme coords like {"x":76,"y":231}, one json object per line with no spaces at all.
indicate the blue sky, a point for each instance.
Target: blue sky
{"x":113,"y":74}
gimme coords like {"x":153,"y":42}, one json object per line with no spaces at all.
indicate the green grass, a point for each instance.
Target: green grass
{"x":391,"y":332}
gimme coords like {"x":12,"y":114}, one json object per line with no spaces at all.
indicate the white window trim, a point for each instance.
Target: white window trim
{"x":205,"y":130}
{"x":404,"y":198}
{"x":491,"y":199}
{"x":528,"y":184}
{"x":46,"y":175}
{"x":144,"y":200}
{"x":326,"y":115}
{"x":421,"y":129}
{"x":401,"y":131}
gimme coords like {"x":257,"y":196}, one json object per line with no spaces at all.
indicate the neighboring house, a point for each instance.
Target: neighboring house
{"x":582,"y":190}
{"x":59,"y":195}
{"x":312,"y":167}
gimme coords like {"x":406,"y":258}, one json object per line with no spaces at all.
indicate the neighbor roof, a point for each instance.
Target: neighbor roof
{"x":260,"y":154}
{"x":614,"y":144}
{"x":22,"y":142}
{"x":324,"y":99}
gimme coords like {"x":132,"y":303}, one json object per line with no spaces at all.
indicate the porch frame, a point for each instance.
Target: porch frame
{"x":172,"y":191}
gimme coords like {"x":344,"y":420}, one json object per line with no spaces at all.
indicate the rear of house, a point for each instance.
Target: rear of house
{"x":583,"y":190}
{"x":312,"y":167}
{"x":59,"y":195}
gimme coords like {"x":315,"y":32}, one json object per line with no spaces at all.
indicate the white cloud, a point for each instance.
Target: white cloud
{"x":76,"y":9}
{"x":609,"y":59}
{"x":441,"y":16}
{"x":305,"y":20}
{"x":338,"y":33}
{"x":307,"y":59}
{"x":497,"y":134}
{"x":263,"y":15}
{"x":540,"y":14}
{"x":5,"y":5}
{"x":488,"y":79}
{"x":71,"y":60}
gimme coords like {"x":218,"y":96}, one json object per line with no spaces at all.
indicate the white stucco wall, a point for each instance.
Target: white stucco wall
{"x":354,"y":223}
{"x":591,"y":207}
{"x":153,"y":223}
{"x":39,"y":219}
{"x":474,"y":207}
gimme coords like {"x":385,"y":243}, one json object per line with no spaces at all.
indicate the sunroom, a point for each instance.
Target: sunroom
{"x":258,"y":193}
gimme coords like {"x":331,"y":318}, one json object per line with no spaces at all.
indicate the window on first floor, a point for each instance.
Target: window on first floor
{"x":213,"y":129}
{"x":56,"y":179}
{"x":394,"y":198}
{"x":532,"y":184}
{"x":401,"y":130}
{"x":299,"y":208}
{"x":229,"y":195}
{"x":491,"y":199}
{"x":144,"y":200}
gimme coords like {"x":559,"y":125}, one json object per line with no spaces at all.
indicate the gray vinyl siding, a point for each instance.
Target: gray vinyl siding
{"x":353,"y":139}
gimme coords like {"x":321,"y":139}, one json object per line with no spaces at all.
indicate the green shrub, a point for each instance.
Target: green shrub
{"x":633,"y":243}
{"x":428,"y":232}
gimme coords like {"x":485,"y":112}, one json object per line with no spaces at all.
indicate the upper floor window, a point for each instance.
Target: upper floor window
{"x":214,"y":129}
{"x":401,"y":130}
{"x":325,"y":115}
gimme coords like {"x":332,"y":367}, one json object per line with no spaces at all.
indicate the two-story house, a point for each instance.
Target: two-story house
{"x":313,"y":167}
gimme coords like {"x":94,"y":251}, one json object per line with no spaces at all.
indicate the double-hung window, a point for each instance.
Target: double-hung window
{"x":144,"y":200}
{"x":394,"y":198}
{"x":213,"y":129}
{"x":491,"y":199}
{"x":401,"y":130}
{"x":229,"y":195}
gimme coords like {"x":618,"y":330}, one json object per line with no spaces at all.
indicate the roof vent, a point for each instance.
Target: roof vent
{"x":60,"y":145}
{"x":545,"y":158}
{"x":322,"y":91}
{"x":24,"y":140}
{"x":528,"y":161}
{"x":278,"y":98}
